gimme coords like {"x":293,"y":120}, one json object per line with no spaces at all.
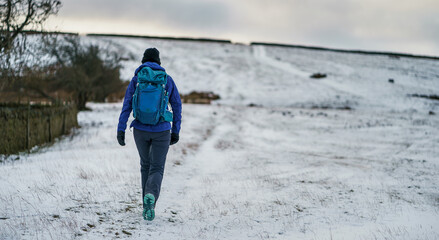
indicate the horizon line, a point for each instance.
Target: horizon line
{"x":227,"y":41}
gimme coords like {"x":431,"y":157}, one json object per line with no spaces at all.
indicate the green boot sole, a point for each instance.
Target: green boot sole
{"x":148,"y":211}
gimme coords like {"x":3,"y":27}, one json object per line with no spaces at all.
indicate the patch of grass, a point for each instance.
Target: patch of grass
{"x":318,"y":75}
{"x":431,"y":97}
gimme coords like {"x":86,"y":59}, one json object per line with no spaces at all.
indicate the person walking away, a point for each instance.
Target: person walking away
{"x":147,"y":96}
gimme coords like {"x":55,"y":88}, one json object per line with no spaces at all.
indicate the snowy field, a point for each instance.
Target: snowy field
{"x":350,"y":156}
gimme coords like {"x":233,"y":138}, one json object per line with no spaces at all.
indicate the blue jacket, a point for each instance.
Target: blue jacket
{"x":174,"y":100}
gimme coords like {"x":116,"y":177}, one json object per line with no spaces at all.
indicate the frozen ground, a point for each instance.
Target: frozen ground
{"x":297,"y":166}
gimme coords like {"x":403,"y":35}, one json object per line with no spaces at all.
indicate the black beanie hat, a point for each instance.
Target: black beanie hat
{"x":151,"y":55}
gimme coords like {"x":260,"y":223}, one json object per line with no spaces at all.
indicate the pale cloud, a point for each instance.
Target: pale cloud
{"x":407,"y":26}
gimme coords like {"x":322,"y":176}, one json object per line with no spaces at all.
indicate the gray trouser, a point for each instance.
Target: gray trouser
{"x":153,"y":148}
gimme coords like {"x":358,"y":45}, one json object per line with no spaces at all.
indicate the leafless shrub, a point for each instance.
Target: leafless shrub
{"x":16,"y":17}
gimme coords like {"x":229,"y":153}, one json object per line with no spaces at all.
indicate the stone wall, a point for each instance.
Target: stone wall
{"x":24,"y":126}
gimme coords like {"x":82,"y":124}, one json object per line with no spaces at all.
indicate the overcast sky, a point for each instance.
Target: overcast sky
{"x":392,"y":25}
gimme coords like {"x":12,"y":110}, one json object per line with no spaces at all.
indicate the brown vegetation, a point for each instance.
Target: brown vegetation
{"x":199,"y":97}
{"x":88,"y":72}
{"x":318,"y":75}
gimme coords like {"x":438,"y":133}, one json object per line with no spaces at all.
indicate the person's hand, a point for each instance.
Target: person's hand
{"x":174,"y":138}
{"x":121,"y":137}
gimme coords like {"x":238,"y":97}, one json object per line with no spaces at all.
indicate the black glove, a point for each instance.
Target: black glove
{"x":174,"y":138}
{"x":121,"y":137}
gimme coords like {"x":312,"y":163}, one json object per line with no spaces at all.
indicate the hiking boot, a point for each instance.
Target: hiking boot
{"x":148,"y":210}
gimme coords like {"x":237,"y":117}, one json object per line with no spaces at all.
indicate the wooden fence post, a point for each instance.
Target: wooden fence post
{"x":50,"y":129}
{"x":28,"y":126}
{"x":63,"y":129}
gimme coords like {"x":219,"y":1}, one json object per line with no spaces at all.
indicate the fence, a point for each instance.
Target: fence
{"x":24,"y":126}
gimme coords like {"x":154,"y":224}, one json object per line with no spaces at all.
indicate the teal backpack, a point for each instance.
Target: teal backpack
{"x":150,"y":100}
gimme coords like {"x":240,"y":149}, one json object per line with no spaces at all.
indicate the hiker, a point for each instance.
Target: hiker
{"x":152,"y":128}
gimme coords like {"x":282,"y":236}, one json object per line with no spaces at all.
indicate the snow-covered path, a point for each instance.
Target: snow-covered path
{"x":238,"y":173}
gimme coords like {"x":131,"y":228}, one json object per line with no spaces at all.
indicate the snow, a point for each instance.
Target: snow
{"x":296,"y":166}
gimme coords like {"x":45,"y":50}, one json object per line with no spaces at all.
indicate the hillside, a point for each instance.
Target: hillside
{"x":279,"y":156}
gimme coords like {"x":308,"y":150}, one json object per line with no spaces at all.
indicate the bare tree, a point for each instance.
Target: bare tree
{"x":88,"y":72}
{"x":17,"y":15}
